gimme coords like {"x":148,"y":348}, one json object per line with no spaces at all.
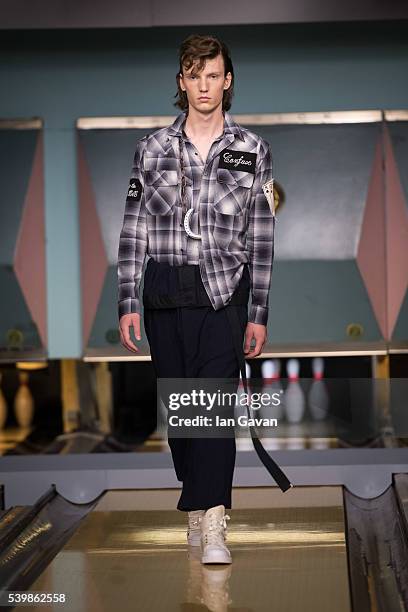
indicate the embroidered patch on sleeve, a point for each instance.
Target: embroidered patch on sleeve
{"x":135,"y":189}
{"x":268,"y":191}
{"x":237,"y":160}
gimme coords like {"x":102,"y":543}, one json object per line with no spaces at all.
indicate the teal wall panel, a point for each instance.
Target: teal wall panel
{"x":63,"y":75}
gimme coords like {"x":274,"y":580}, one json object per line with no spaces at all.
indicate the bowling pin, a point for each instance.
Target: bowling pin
{"x":271,"y":385}
{"x":3,"y":407}
{"x":160,"y":433}
{"x":318,"y":397}
{"x":23,"y":402}
{"x":294,"y":406}
{"x":294,"y":398}
{"x":318,"y":400}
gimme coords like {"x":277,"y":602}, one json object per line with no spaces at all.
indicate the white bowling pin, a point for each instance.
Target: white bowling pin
{"x":271,"y":386}
{"x":294,"y":398}
{"x":318,"y":397}
{"x":23,"y":402}
{"x":295,"y":403}
{"x":160,"y":433}
{"x":248,"y":372}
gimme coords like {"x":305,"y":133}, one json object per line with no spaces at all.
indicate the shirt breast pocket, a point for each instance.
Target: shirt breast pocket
{"x":231,"y":201}
{"x":161,"y":191}
{"x":233,"y":191}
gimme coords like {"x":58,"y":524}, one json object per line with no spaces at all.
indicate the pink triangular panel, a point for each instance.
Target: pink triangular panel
{"x":29,"y":255}
{"x":371,"y":259}
{"x":94,"y":262}
{"x":397,"y":236}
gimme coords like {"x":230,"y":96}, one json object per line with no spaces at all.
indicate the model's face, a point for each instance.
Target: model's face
{"x":205,"y":90}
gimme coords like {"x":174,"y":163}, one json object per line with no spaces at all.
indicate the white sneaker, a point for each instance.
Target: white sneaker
{"x":213,"y":536}
{"x":194,"y":528}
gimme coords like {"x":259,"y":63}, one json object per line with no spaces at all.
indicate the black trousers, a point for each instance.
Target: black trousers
{"x":194,"y":341}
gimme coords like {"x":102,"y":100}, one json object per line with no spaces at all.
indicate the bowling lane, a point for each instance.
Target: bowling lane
{"x":289,"y":553}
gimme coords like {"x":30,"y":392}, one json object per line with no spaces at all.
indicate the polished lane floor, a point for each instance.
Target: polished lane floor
{"x":130,"y":554}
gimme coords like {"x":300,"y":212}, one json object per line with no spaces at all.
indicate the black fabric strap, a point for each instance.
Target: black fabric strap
{"x":272,"y":467}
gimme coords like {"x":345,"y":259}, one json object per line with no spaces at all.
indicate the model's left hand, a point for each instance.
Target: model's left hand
{"x":254,"y":330}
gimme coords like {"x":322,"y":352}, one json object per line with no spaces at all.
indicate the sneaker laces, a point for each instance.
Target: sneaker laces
{"x":194,"y":522}
{"x":194,"y":526}
{"x":216,"y":529}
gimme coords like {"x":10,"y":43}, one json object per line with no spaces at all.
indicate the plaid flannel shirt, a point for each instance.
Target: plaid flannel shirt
{"x":235,"y":220}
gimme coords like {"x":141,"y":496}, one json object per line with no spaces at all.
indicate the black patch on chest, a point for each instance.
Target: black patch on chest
{"x":135,"y":189}
{"x":237,"y":160}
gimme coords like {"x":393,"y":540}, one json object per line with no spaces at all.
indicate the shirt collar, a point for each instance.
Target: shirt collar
{"x":230,"y":126}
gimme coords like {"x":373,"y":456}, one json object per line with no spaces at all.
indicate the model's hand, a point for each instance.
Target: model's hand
{"x":126,"y":321}
{"x":254,"y":330}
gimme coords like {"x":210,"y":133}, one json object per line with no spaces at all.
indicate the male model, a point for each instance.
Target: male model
{"x":200,"y":204}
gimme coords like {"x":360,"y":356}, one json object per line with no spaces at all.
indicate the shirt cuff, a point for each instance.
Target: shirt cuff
{"x":128,"y":306}
{"x":258,"y":314}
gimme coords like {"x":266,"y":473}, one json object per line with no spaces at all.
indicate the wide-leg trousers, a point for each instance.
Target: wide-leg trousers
{"x":196,"y":342}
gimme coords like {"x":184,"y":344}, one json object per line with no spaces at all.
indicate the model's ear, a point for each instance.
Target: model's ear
{"x":181,"y":82}
{"x":227,"y":81}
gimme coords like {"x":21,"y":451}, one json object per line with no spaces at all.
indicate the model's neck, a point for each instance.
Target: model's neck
{"x":200,"y":125}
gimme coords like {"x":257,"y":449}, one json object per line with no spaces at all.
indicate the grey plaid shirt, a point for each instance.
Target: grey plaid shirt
{"x":232,"y":214}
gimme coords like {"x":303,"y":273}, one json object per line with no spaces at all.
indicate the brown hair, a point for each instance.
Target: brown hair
{"x":198,"y":49}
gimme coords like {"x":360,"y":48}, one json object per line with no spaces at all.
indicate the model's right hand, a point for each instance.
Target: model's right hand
{"x":125,"y":323}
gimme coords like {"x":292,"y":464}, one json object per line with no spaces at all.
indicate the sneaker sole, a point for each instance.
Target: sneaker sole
{"x":216,"y":557}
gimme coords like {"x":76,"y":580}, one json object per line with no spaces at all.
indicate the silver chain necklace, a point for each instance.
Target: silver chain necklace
{"x":186,"y":214}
